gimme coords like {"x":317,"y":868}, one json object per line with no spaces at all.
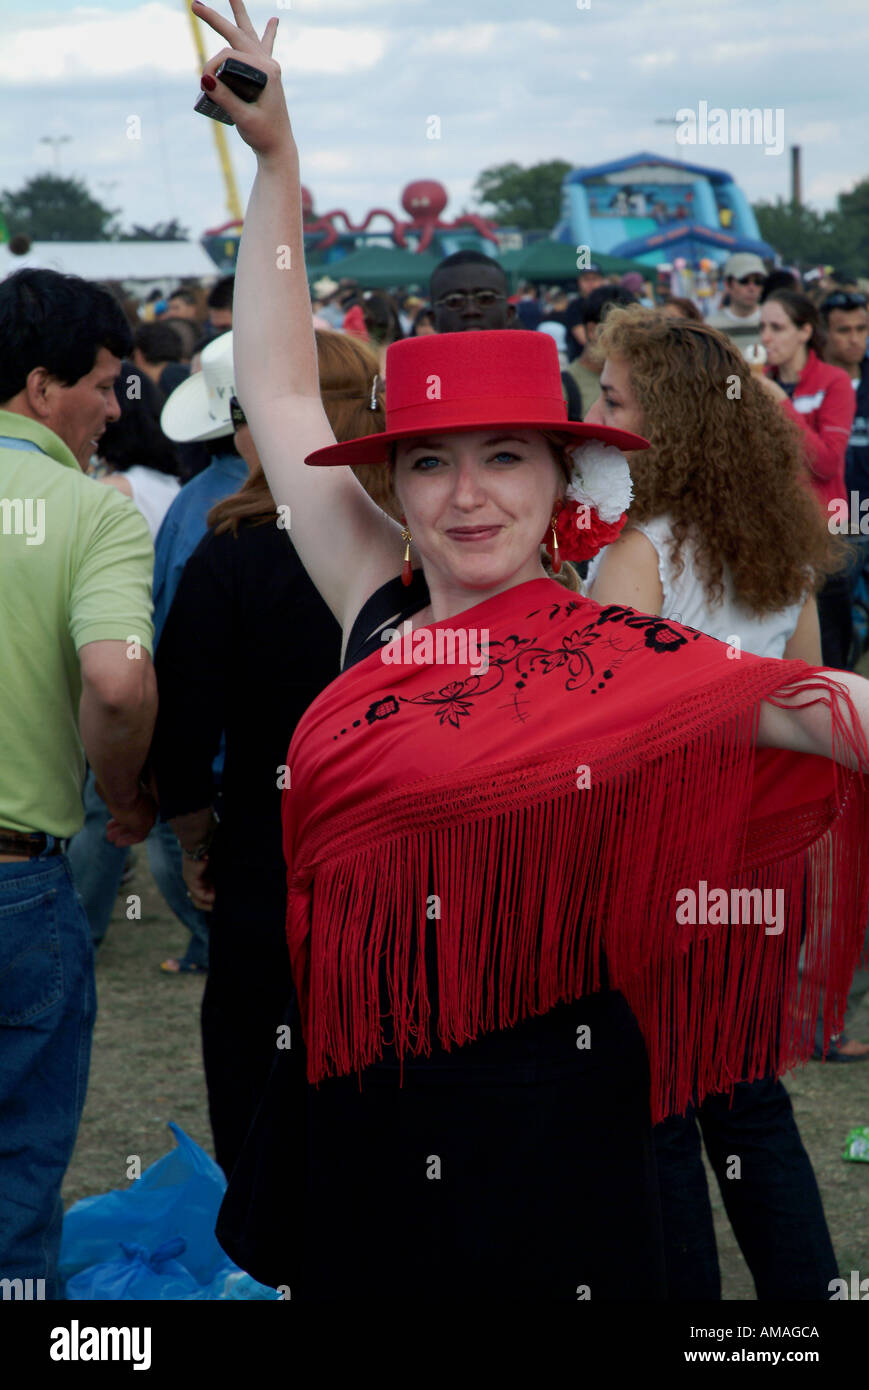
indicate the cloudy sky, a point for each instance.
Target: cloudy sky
{"x":522,"y":80}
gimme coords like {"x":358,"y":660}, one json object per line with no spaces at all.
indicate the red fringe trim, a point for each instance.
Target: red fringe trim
{"x":586,"y":871}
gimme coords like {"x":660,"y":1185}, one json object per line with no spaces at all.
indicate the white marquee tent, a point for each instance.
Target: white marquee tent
{"x":143,"y":263}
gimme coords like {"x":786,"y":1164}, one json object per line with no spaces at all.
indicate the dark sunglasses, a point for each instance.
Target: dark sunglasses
{"x":844,"y":299}
{"x":484,"y":299}
{"x":236,"y":413}
{"x":753,"y":280}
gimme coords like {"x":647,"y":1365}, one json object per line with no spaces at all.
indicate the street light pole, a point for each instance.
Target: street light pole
{"x":55,"y":141}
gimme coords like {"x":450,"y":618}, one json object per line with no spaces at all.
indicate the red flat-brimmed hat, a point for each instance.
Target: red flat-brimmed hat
{"x":446,"y":382}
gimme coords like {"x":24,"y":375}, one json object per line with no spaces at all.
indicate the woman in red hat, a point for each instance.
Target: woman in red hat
{"x":526,"y":910}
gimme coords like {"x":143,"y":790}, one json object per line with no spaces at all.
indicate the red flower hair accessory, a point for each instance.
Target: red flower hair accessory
{"x":595,"y":508}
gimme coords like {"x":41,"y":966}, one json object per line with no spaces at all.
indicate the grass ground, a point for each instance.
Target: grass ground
{"x":147,"y":1068}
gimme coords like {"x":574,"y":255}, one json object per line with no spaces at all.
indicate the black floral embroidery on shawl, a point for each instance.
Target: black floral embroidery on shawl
{"x":621,"y":630}
{"x":381,"y":709}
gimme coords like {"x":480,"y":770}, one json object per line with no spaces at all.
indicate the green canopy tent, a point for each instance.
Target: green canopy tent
{"x":379,"y":268}
{"x":554,"y":262}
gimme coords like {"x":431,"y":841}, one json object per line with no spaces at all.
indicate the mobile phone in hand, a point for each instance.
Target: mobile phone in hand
{"x":242,"y":79}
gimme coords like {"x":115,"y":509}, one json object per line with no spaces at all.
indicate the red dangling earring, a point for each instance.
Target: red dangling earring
{"x":406,"y":569}
{"x":556,"y":557}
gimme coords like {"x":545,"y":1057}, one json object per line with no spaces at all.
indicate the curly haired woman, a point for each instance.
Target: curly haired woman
{"x":724,"y":535}
{"x":722,"y":532}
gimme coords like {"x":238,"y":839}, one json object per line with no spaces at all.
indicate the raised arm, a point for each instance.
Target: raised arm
{"x":347,"y":545}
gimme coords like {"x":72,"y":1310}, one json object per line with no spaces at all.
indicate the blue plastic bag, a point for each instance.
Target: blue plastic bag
{"x":138,"y":1273}
{"x":231,"y":1282}
{"x":178,"y":1197}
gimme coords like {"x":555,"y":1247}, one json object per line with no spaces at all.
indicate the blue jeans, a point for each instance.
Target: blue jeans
{"x":97,"y":867}
{"x":774,"y":1205}
{"x":47,"y":1013}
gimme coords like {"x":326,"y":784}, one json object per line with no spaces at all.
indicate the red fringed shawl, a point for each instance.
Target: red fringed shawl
{"x":586,"y":794}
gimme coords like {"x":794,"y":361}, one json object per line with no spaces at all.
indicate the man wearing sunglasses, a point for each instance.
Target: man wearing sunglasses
{"x":469,"y":291}
{"x":744,"y":278}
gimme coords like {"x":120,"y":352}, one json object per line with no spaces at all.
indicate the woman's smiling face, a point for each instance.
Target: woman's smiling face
{"x":478,"y":504}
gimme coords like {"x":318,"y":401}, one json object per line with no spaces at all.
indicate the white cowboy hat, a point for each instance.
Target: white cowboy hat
{"x":324,"y":286}
{"x":198,"y":409}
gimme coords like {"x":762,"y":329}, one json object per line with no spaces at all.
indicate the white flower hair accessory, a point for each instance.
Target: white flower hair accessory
{"x":595,"y":507}
{"x":601,"y":480}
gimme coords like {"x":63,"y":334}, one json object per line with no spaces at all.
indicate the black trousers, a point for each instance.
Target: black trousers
{"x":768,"y":1187}
{"x":769,"y":1191}
{"x":246,"y":994}
{"x":834,"y":615}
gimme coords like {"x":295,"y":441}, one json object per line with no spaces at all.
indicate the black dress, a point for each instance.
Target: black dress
{"x":248,"y":644}
{"x":519,"y":1166}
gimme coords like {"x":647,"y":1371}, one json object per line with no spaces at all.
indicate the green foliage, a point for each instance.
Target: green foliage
{"x":801,"y":236}
{"x":51,"y":208}
{"x":526,"y":198}
{"x":804,"y":237}
{"x":854,"y":212}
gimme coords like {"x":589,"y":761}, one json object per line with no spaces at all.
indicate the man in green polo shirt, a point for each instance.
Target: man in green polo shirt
{"x":76,"y":681}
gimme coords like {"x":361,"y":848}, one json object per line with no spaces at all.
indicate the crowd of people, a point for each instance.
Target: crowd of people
{"x":806,"y":342}
{"x":228,"y":479}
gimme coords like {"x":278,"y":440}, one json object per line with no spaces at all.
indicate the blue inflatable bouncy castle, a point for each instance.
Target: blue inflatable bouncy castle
{"x":651,"y":209}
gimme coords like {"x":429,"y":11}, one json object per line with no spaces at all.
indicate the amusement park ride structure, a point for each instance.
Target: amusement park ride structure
{"x":423,"y":201}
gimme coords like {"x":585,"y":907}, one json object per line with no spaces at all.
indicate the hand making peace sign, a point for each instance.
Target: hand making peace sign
{"x":263,"y":124}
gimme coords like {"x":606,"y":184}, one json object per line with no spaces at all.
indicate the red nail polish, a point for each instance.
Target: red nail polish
{"x":208,"y":82}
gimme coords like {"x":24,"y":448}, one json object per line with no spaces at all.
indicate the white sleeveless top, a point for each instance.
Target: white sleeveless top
{"x":685,"y":600}
{"x":153,"y":493}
